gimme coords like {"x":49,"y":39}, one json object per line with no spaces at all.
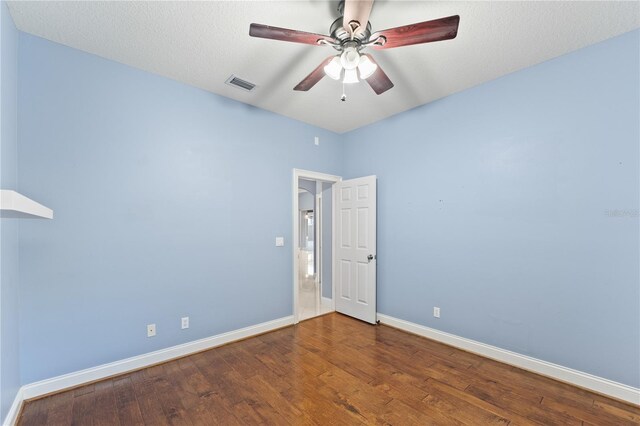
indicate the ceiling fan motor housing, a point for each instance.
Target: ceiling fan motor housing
{"x":339,"y":33}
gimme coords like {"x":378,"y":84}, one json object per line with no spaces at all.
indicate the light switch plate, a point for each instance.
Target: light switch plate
{"x":279,"y":241}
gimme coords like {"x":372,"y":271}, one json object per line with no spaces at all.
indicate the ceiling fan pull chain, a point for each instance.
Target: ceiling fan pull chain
{"x":343,"y":98}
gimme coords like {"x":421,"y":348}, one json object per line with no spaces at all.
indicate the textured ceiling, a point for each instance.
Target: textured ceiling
{"x":203,"y":43}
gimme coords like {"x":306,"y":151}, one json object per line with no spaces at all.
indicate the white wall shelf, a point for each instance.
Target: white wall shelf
{"x":15,"y":205}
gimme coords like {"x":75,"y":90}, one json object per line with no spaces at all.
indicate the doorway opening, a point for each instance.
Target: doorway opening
{"x":313,"y":288}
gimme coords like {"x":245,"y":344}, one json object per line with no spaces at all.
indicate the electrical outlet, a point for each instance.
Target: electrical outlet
{"x":436,"y":312}
{"x":185,"y":322}
{"x":151,"y":330}
{"x":279,"y":241}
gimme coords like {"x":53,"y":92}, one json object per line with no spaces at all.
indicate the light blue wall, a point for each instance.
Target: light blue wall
{"x":148,"y":178}
{"x":9,"y":313}
{"x":493,"y":206}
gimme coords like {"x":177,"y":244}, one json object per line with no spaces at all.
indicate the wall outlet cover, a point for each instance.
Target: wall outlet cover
{"x":184,"y":322}
{"x":151,"y":330}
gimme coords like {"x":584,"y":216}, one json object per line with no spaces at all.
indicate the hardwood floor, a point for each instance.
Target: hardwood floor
{"x":330,"y":370}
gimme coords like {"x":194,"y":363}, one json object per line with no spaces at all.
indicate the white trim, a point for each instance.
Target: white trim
{"x":333,"y":247}
{"x":309,"y":175}
{"x":306,"y":174}
{"x":77,"y":378}
{"x":558,"y":372}
{"x":317,"y":243}
{"x":14,"y":410}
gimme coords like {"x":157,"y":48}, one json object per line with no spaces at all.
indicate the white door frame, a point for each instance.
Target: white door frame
{"x":306,"y":174}
{"x":317,"y":242}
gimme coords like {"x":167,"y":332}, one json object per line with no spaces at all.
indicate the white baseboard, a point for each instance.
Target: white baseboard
{"x":77,"y":378}
{"x":12,"y":416}
{"x":558,"y":372}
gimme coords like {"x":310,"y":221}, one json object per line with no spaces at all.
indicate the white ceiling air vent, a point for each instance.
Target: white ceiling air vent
{"x":240,"y":83}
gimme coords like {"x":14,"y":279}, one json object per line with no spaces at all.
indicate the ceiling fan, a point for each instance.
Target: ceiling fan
{"x":350,"y":34}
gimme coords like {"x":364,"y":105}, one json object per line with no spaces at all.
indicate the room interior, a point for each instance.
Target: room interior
{"x":146,"y":277}
{"x":315,"y":296}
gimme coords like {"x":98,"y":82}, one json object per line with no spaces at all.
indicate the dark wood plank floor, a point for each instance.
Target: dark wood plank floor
{"x":329,"y":370}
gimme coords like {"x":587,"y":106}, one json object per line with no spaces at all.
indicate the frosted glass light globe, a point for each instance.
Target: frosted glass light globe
{"x":350,"y":58}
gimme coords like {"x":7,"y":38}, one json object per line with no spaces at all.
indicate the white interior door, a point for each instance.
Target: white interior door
{"x":355,"y":258}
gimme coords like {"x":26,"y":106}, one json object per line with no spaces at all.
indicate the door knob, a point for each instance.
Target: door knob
{"x":370,"y":257}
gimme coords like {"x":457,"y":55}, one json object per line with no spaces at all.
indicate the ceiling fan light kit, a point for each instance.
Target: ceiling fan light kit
{"x":366,"y":67}
{"x":350,"y":36}
{"x":349,"y":61}
{"x":334,"y":68}
{"x":350,"y":76}
{"x":349,"y":58}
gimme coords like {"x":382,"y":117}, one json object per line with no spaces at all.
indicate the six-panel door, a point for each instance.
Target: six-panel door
{"x":355,"y":268}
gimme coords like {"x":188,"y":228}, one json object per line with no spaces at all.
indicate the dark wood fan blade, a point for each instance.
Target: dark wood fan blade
{"x":379,"y":81}
{"x":357,"y":10}
{"x":423,"y":32}
{"x":312,"y":79}
{"x":284,"y":34}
